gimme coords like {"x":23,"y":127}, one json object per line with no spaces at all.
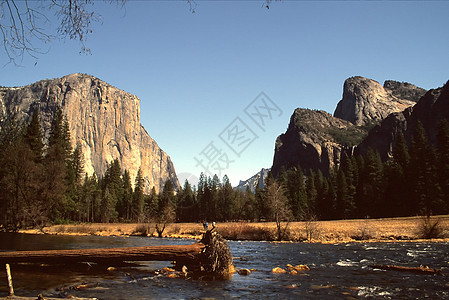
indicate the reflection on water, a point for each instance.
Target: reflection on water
{"x":337,"y":271}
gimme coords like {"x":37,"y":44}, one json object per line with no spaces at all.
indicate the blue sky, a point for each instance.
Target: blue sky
{"x":195,"y":73}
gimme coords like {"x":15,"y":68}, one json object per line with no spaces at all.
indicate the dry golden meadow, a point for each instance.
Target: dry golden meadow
{"x":367,"y":230}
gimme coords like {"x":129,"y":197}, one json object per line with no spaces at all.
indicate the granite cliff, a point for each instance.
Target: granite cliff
{"x":366,"y":102}
{"x":430,"y":110}
{"x":104,"y":119}
{"x":314,"y":140}
{"x":317,"y":140}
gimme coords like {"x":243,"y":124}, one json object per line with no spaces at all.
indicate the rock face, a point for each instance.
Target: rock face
{"x":255,"y":181}
{"x":104,"y":119}
{"x":314,"y":140}
{"x":430,"y":110}
{"x":366,"y":102}
{"x":404,"y":90}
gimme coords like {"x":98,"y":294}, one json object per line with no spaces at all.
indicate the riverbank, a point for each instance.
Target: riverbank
{"x":339,"y":231}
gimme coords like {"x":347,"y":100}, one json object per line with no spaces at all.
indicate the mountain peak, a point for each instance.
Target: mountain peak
{"x":365,"y":101}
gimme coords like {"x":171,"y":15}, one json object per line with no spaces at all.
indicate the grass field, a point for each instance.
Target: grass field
{"x":367,"y":230}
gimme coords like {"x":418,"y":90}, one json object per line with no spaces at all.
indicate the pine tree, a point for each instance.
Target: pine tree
{"x":151,"y":205}
{"x":228,"y":208}
{"x":124,"y":205}
{"x":33,"y":137}
{"x":57,"y":169}
{"x":107,"y":202}
{"x":167,"y":196}
{"x":322,"y":187}
{"x":400,"y":152}
{"x":397,"y":190}
{"x":372,"y":183}
{"x":426,"y":197}
{"x":203,"y":196}
{"x":443,"y":163}
{"x":75,"y":177}
{"x":296,"y":191}
{"x":260,"y":203}
{"x":112,"y":181}
{"x":342,"y":195}
{"x":349,"y":168}
{"x":361,"y":205}
{"x":90,"y":199}
{"x":312,"y":195}
{"x":138,"y":197}
{"x":213,"y":209}
{"x":250,"y":206}
{"x":187,"y":208}
{"x":327,"y":210}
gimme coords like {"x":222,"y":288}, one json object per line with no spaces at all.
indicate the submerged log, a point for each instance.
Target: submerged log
{"x":105,"y":255}
{"x":209,"y":256}
{"x":46,"y":298}
{"x":418,"y":270}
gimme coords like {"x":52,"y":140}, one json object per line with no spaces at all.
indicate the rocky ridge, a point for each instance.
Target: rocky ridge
{"x":314,"y":140}
{"x":366,"y":102}
{"x":103,"y":119}
{"x":317,"y":140}
{"x":258,"y":180}
{"x":430,"y":110}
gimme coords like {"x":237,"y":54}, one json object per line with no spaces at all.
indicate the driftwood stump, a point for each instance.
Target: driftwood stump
{"x":216,"y":258}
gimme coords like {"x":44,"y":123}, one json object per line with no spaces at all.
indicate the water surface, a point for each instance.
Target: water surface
{"x":337,"y":271}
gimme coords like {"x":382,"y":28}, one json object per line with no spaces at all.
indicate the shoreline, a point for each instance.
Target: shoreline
{"x":406,"y":229}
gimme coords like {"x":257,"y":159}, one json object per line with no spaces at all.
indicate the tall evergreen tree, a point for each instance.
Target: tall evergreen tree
{"x":90,"y":199}
{"x":112,"y":181}
{"x":250,"y":206}
{"x":341,"y":207}
{"x":167,"y":196}
{"x":151,"y":205}
{"x":296,"y":191}
{"x":349,"y":168}
{"x":372,"y":183}
{"x":33,"y":137}
{"x":57,"y":166}
{"x":322,"y":187}
{"x":107,"y":203}
{"x":397,"y":190}
{"x":138,"y":197}
{"x":203,"y":196}
{"x":124,"y":205}
{"x":443,"y":163}
{"x":75,"y":177}
{"x":312,"y":195}
{"x":426,"y":197}
{"x":228,"y":208}
{"x":187,"y":208}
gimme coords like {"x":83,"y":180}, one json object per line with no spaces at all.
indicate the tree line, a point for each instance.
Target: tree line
{"x":44,"y":182}
{"x":413,"y":181}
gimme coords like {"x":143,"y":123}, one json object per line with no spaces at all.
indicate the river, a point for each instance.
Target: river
{"x":337,"y":271}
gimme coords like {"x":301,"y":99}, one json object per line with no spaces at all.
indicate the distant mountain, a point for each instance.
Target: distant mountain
{"x":316,"y":140}
{"x":255,"y":181}
{"x":104,"y":119}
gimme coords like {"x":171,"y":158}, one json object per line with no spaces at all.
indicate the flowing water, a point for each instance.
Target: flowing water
{"x":337,"y":271}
